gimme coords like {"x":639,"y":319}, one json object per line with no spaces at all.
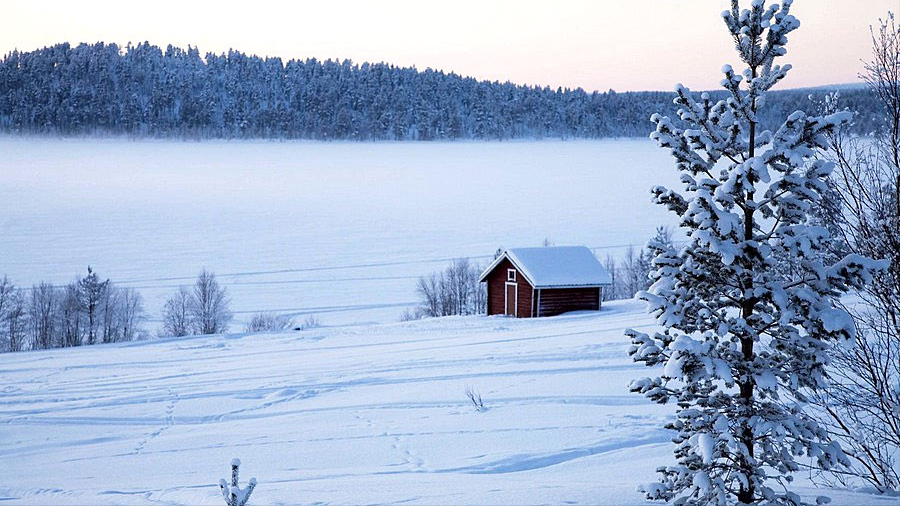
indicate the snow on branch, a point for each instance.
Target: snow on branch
{"x":749,"y":309}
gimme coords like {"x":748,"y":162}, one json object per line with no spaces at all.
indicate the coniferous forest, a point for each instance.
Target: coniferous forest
{"x":144,"y":91}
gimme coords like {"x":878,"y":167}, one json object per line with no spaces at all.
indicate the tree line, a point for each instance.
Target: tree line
{"x":89,"y":310}
{"x":142,"y":90}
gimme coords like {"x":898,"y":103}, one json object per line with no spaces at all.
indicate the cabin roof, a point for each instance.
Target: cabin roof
{"x":555,"y":267}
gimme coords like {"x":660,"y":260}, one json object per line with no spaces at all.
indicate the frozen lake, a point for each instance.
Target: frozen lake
{"x":338,"y":230}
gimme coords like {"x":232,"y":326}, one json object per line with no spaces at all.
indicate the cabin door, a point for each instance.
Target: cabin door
{"x":512,"y":299}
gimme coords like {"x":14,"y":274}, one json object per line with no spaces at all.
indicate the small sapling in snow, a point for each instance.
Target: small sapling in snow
{"x":475,"y":397}
{"x":234,"y":495}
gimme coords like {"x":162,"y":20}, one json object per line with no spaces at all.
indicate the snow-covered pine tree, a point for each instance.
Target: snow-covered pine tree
{"x":92,"y":292}
{"x":741,"y":344}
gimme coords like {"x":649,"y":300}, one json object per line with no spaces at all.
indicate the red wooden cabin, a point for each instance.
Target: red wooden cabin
{"x":530,"y":282}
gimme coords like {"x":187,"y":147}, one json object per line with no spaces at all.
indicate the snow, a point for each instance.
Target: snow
{"x":345,"y":415}
{"x":707,"y":446}
{"x":559,"y":266}
{"x":339,"y":230}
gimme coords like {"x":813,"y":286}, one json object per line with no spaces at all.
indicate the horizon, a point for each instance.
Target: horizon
{"x":528,"y":44}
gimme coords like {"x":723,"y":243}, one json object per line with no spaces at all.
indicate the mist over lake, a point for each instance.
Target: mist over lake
{"x":340,"y":230}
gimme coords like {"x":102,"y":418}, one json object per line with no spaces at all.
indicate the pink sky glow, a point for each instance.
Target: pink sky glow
{"x":597,"y":45}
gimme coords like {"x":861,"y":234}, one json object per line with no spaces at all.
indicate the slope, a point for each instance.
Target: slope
{"x":356,"y":414}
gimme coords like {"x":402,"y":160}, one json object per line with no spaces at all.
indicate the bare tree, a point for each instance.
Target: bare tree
{"x":7,"y":289}
{"x":862,"y":406}
{"x":615,"y":289}
{"x":70,"y":314}
{"x":42,"y":315}
{"x":429,"y":295}
{"x":209,"y":305}
{"x":16,"y":323}
{"x":7,"y":292}
{"x":12,"y":309}
{"x":129,"y":314}
{"x":632,"y":281}
{"x":108,"y":315}
{"x":453,"y":291}
{"x":177,"y":313}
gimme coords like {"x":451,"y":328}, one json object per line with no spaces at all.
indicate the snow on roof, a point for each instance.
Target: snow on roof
{"x":555,"y":266}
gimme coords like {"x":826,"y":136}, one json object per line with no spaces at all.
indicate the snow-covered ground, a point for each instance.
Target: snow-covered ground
{"x":343,"y":415}
{"x":340,"y":230}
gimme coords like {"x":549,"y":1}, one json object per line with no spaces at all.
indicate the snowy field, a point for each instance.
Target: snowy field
{"x":339,"y":230}
{"x":343,"y":415}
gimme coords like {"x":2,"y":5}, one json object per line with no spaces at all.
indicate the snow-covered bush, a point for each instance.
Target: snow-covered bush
{"x":742,"y":345}
{"x":234,"y":495}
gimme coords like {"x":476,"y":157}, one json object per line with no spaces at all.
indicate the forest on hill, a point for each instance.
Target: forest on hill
{"x":144,"y":91}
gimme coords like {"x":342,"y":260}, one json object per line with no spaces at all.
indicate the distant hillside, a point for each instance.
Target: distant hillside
{"x":144,"y":91}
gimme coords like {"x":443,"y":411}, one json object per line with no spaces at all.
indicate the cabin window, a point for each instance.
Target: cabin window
{"x":511,"y":275}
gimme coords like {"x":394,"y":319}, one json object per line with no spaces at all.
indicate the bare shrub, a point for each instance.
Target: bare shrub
{"x":269,"y":322}
{"x":475,"y":398}
{"x":311,"y":322}
{"x":409,"y":315}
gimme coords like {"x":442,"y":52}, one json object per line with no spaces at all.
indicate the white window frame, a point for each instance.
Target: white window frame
{"x":510,"y":275}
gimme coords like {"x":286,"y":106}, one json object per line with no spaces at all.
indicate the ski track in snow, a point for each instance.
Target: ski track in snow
{"x":342,"y":415}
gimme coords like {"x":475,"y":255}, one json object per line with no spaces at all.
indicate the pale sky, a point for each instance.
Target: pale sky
{"x":597,"y":45}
